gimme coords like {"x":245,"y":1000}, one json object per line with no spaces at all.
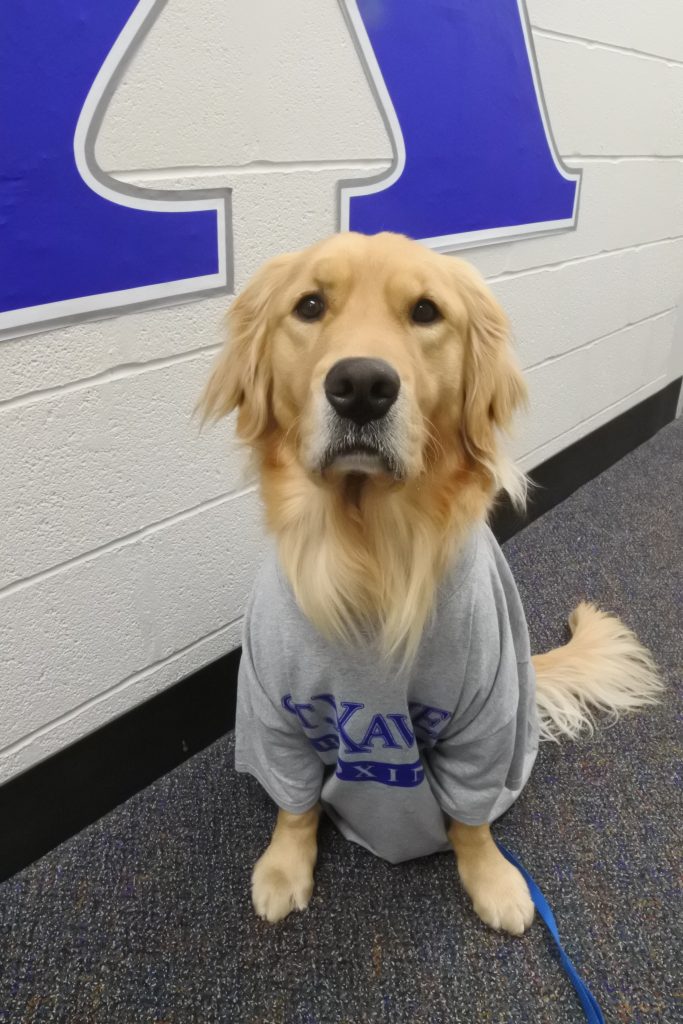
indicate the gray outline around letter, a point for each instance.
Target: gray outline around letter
{"x":123,"y":189}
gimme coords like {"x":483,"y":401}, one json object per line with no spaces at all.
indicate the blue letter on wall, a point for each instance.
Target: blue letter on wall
{"x":72,"y":241}
{"x":473,"y":157}
{"x":455,"y":80}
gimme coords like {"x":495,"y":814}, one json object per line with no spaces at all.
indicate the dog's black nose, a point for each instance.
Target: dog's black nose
{"x":362,"y":389}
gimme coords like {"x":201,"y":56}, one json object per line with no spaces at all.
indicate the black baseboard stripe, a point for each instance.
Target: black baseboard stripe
{"x":57,"y":798}
{"x":60,"y":796}
{"x":561,"y":475}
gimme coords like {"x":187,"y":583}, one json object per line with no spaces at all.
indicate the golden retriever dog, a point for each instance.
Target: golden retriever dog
{"x":373,"y":379}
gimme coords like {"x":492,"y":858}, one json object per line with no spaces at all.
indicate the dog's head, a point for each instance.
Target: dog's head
{"x":368,"y":355}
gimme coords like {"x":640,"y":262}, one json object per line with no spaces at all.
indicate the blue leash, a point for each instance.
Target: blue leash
{"x":591,"y":1010}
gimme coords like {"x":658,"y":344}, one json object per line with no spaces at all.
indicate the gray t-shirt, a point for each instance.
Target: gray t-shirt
{"x":392,"y":754}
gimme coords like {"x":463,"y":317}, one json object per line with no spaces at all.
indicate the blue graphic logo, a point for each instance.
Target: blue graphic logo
{"x":403,"y":775}
{"x":335,"y":727}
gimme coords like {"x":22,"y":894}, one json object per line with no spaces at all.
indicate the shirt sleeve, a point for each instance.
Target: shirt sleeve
{"x":470,"y":772}
{"x":270,"y":744}
{"x":482,"y":756}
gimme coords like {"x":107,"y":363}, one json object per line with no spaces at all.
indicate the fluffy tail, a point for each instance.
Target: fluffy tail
{"x":602,"y":668}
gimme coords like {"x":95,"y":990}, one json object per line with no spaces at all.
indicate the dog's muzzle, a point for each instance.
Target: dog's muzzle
{"x":361,"y":429}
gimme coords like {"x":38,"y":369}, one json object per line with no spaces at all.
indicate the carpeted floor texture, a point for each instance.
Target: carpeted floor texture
{"x":144,"y":918}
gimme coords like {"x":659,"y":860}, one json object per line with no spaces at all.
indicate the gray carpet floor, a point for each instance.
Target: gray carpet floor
{"x":144,"y":918}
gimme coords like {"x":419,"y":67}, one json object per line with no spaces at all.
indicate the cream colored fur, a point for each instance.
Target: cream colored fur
{"x":603,"y":668}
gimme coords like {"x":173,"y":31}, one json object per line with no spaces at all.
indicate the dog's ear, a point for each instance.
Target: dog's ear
{"x":242,"y":376}
{"x":493,"y":384}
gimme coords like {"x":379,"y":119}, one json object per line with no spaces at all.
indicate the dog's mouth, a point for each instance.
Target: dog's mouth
{"x":360,"y":459}
{"x":340,"y":445}
{"x":368,"y":453}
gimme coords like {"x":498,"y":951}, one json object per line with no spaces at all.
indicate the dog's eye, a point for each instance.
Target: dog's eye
{"x":311,"y":307}
{"x":425,"y":312}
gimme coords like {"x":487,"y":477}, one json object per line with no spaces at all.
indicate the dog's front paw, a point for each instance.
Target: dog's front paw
{"x":500,"y":896}
{"x":278,"y":887}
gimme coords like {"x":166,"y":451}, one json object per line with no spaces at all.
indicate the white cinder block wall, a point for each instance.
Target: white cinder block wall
{"x":128,"y":541}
